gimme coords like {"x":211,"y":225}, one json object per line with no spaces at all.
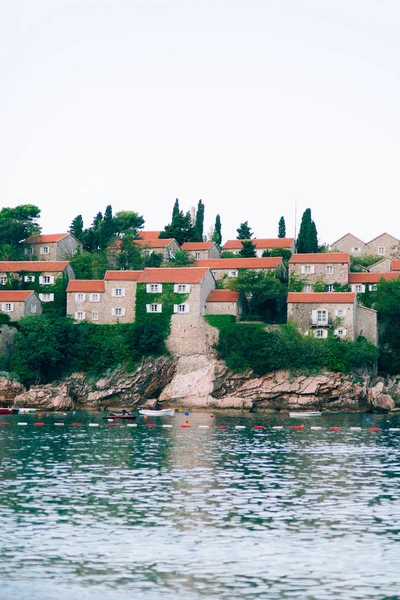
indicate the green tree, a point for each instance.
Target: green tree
{"x":180,"y":227}
{"x":10,"y":252}
{"x":284,"y":252}
{"x":244,"y":232}
{"x":217,"y":235}
{"x":182,"y":259}
{"x":199,"y":223}
{"x":248,"y":249}
{"x":19,"y":223}
{"x":307,"y":240}
{"x":107,"y":228}
{"x":265,"y":294}
{"x":175,"y":210}
{"x":282,"y":228}
{"x":89,"y":265}
{"x":76,"y":228}
{"x":127,"y":221}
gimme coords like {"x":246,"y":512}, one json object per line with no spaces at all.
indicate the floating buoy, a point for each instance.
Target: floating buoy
{"x":297,"y":427}
{"x":76,"y":424}
{"x":112,"y":425}
{"x":316,"y":428}
{"x":187,"y":413}
{"x":204,"y":427}
{"x":240,"y":426}
{"x":150,"y":424}
{"x":355,"y":428}
{"x":368,"y":420}
{"x":21,"y":423}
{"x":334,"y":428}
{"x":39,"y":414}
{"x":93,"y":424}
{"x":185,"y":426}
{"x":222,"y":427}
{"x":277,"y":427}
{"x":259,"y":427}
{"x":374,"y":428}
{"x":131,"y":424}
{"x":38,"y":424}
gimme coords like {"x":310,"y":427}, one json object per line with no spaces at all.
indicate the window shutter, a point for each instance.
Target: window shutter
{"x":148,"y":288}
{"x":176,"y":287}
{"x":159,"y":308}
{"x":148,"y":308}
{"x":51,"y":278}
{"x":41,"y":279}
{"x":314,"y":316}
{"x":113,"y":292}
{"x":122,"y":291}
{"x":187,"y":308}
{"x":325,"y":333}
{"x":312,"y":269}
{"x":76,"y":316}
{"x":187,"y":289}
{"x":122,"y":312}
{"x":113,"y":312}
{"x":303,"y":269}
{"x":175,"y":308}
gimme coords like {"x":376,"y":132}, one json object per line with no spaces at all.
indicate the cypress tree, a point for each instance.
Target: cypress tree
{"x":307,"y":240}
{"x":244,"y":231}
{"x":248,"y":249}
{"x":199,"y":223}
{"x":282,"y":228}
{"x":217,"y":235}
{"x":106,"y":228}
{"x":175,"y":210}
{"x":76,"y":228}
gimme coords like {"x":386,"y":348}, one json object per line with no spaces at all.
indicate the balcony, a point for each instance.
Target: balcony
{"x":321,"y":322}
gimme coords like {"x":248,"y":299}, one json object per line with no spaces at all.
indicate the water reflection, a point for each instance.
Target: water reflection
{"x":199,"y":513}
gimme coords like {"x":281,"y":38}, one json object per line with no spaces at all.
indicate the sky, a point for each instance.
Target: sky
{"x":253,"y":106}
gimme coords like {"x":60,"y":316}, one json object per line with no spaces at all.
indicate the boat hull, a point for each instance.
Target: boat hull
{"x":164,"y":412}
{"x":9,"y":411}
{"x":301,"y":415}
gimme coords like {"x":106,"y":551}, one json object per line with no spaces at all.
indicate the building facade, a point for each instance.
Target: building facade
{"x":202,"y":250}
{"x":326,"y":268}
{"x":262,"y":245}
{"x":228,"y":268}
{"x":53,"y":247}
{"x":18,"y":304}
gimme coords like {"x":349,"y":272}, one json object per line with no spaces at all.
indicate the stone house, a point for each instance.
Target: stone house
{"x":226,"y":302}
{"x":381,"y":266}
{"x":120,"y":296}
{"x":166,"y":247}
{"x":202,"y":250}
{"x":361,"y":282}
{"x":53,"y":247}
{"x":318,"y":313}
{"x":85,"y":300}
{"x":43,"y":277}
{"x":326,"y":267}
{"x":261,"y":245}
{"x":20,"y":303}
{"x":384,"y":245}
{"x":226,"y":268}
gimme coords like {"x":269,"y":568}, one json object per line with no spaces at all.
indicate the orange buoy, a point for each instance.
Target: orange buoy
{"x":185,"y":426}
{"x":297,"y":427}
{"x":334,"y":428}
{"x":259,"y":427}
{"x":112,"y":424}
{"x":222,"y":426}
{"x":38,"y":424}
{"x":150,"y":424}
{"x":76,"y":424}
{"x":374,"y":428}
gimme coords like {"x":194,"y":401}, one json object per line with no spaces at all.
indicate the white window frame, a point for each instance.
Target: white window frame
{"x":355,"y":250}
{"x":329,"y":287}
{"x":118,"y":292}
{"x":329,"y":269}
{"x":381,"y":251}
{"x":321,"y":333}
{"x":154,"y":288}
{"x":28,"y":250}
{"x":33,"y":309}
{"x":147,"y":252}
{"x":45,"y":298}
{"x":308,"y":269}
{"x":94,"y":297}
{"x":341,"y":331}
{"x":3,"y":279}
{"x":373,"y":287}
{"x":181,"y":309}
{"x":95,"y":315}
{"x":80,"y":315}
{"x":29,"y":278}
{"x":8,"y":307}
{"x":307,"y":288}
{"x":118,"y":311}
{"x":44,"y":250}
{"x":340,"y":312}
{"x":197,"y":255}
{"x":233,"y":273}
{"x":359,"y":288}
{"x":181,"y":288}
{"x":154,"y":308}
{"x":80,"y":297}
{"x":46,"y":279}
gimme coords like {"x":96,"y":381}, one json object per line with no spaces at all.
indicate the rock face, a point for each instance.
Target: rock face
{"x":46,"y":397}
{"x":9,"y":388}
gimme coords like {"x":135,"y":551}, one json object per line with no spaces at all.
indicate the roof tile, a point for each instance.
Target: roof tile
{"x":270,"y":262}
{"x":122,"y":275}
{"x":372,"y":277}
{"x":32,"y":266}
{"x":85,"y":285}
{"x":176,"y":275}
{"x":46,"y":239}
{"x":321,"y":297}
{"x":15,"y":295}
{"x":197,"y":245}
{"x":223,"y":296}
{"x":260,"y":243}
{"x":321,"y":257}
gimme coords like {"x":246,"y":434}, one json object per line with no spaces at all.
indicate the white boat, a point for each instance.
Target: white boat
{"x":27,"y":411}
{"x":301,"y":415}
{"x":163,"y":412}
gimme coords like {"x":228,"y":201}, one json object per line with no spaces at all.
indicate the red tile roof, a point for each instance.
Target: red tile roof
{"x":269,"y":262}
{"x":15,"y":295}
{"x":85,"y":285}
{"x":46,"y":239}
{"x":371,"y":277}
{"x":176,"y":275}
{"x":197,"y":245}
{"x":148,"y":235}
{"x":395,"y":265}
{"x":321,"y":297}
{"x":32,"y":266}
{"x":260,"y":243}
{"x":155,"y":243}
{"x":322,"y":257}
{"x":223,"y":296}
{"x":122,"y":275}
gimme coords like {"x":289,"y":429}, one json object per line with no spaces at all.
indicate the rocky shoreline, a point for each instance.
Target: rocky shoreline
{"x":204,"y":382}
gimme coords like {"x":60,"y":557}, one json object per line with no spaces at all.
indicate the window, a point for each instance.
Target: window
{"x":147,"y":252}
{"x":3,"y":279}
{"x":29,"y":278}
{"x":154,"y":288}
{"x":181,"y":308}
{"x":46,"y":279}
{"x":95,"y":315}
{"x":28,"y":250}
{"x":170,"y":254}
{"x":329,"y":269}
{"x":359,"y":287}
{"x":355,"y":250}
{"x":118,"y":292}
{"x":373,"y":287}
{"x":320,"y":333}
{"x":381,"y":250}
{"x":341,"y":331}
{"x":153,"y":308}
{"x":322,"y":316}
{"x":44,"y":250}
{"x":340,"y":312}
{"x":46,"y":297}
{"x":329,"y":288}
{"x":80,"y":315}
{"x":181,"y":288}
{"x":307,"y":288}
{"x":8,"y":307}
{"x":232,"y":274}
{"x":118,"y":312}
{"x":197,"y":255}
{"x":94,"y":297}
{"x":80,"y":297}
{"x":307,"y":269}
{"x":33,"y":309}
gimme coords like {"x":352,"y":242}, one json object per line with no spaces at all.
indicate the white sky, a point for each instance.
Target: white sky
{"x":242,"y":103}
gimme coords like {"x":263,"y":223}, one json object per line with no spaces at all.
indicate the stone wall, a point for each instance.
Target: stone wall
{"x":340,"y":272}
{"x":367,"y":324}
{"x":385,"y":241}
{"x":347,"y":243}
{"x":382,"y":266}
{"x":301,"y":314}
{"x":223,"y":308}
{"x":67,"y":247}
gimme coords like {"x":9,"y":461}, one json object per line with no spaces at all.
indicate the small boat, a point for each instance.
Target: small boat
{"x":27,"y":411}
{"x":124,"y":414}
{"x":9,"y":410}
{"x":163,"y":412}
{"x":301,"y":415}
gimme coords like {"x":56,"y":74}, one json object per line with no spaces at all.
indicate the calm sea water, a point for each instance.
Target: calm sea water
{"x":161,"y":514}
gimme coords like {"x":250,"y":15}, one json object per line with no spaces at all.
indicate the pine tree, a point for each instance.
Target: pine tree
{"x":217,"y":235}
{"x":180,"y":227}
{"x":175,"y":210}
{"x":106,"y":228}
{"x":244,"y":231}
{"x":307,"y":240}
{"x":248,"y":249}
{"x":76,"y":228}
{"x":282,"y":228}
{"x":199,"y":223}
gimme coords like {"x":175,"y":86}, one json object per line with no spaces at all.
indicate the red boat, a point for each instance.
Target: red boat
{"x":9,"y":410}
